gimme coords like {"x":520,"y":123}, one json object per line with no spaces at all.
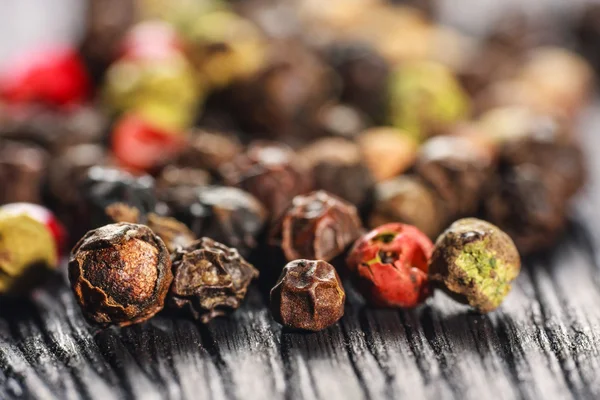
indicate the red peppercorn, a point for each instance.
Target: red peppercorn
{"x":389,"y":265}
{"x":42,"y":215}
{"x":140,"y":146}
{"x":54,"y":76}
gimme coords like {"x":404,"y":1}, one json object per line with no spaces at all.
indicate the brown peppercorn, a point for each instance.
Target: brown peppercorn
{"x":338,"y":169}
{"x":457,"y":170}
{"x":283,"y":98}
{"x":271,"y":172}
{"x":209,"y":150}
{"x":340,"y":120}
{"x":210,"y":279}
{"x":22,"y":171}
{"x":308,"y":295}
{"x":120,"y":274}
{"x":317,"y":226}
{"x":388,"y":152}
{"x":174,"y":233}
{"x":409,"y":200}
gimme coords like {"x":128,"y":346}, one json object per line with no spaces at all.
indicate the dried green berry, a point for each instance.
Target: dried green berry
{"x":475,"y":262}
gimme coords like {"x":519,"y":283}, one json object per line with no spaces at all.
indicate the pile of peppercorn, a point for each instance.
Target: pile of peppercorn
{"x":185,"y":147}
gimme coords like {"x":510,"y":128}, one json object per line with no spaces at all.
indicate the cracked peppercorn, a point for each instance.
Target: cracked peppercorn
{"x":317,"y":226}
{"x":210,"y":279}
{"x":475,"y":262}
{"x":308,"y":295}
{"x":120,"y":274}
{"x":389,"y":266}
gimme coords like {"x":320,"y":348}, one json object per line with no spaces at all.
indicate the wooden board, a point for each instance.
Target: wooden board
{"x":543,"y":343}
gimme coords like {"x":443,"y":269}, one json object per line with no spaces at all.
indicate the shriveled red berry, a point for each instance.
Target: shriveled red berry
{"x":139,"y":145}
{"x":389,"y":265}
{"x":42,"y":215}
{"x":54,"y":76}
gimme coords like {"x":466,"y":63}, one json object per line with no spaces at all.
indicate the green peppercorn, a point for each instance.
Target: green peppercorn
{"x":475,"y":262}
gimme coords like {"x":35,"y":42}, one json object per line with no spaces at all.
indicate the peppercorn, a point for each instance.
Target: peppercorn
{"x":107,"y":21}
{"x":338,"y":168}
{"x":548,"y":145}
{"x":389,"y":266}
{"x":103,"y":186}
{"x":28,"y":252}
{"x":387,"y":151}
{"x":210,"y":279}
{"x":51,"y":130}
{"x":225,"y":47}
{"x":43,"y":216}
{"x":409,"y":200}
{"x":308,"y":295}
{"x":559,"y":81}
{"x":317,"y":226}
{"x":283,"y":98}
{"x":457,"y":170}
{"x":120,"y":274}
{"x":22,"y":171}
{"x":172,"y":177}
{"x":587,"y":32}
{"x":475,"y":262}
{"x":426,"y":99}
{"x":271,"y":172}
{"x":364,"y":74}
{"x":153,"y":146}
{"x":528,"y":204}
{"x":228,"y":215}
{"x":54,"y":76}
{"x":174,"y":233}
{"x":209,"y":150}
{"x":335,"y":119}
{"x":156,"y":82}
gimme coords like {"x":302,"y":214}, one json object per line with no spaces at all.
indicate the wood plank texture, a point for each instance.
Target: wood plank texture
{"x":544,"y":342}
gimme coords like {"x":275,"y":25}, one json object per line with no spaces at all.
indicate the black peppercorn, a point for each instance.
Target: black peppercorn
{"x":271,"y":172}
{"x":308,"y":295}
{"x":228,"y":215}
{"x":364,"y":74}
{"x":457,"y":170}
{"x":338,"y":168}
{"x":210,"y":279}
{"x":22,"y":171}
{"x":528,"y":204}
{"x":104,"y":186}
{"x":120,"y":274}
{"x":317,"y":226}
{"x":172,"y":177}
